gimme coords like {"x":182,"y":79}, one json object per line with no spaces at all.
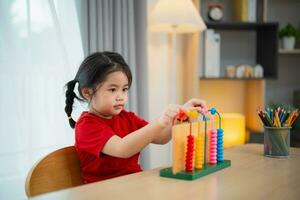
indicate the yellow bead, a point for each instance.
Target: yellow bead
{"x":193,"y":114}
{"x":199,"y":153}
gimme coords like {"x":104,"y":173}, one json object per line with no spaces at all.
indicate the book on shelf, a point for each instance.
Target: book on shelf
{"x":245,"y":10}
{"x":211,"y":61}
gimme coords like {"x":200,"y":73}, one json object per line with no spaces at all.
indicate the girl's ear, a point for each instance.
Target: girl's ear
{"x":87,"y":93}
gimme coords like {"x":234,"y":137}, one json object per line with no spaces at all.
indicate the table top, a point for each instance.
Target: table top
{"x":250,"y":176}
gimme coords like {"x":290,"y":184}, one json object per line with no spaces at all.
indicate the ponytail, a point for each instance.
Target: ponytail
{"x":70,"y":95}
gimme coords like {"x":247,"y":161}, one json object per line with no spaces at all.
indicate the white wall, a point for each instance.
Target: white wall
{"x":163,"y":89}
{"x":158,"y":77}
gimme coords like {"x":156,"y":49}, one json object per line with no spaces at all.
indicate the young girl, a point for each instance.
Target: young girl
{"x":108,"y":138}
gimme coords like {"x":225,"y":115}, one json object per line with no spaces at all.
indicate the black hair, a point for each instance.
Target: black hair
{"x":93,"y":71}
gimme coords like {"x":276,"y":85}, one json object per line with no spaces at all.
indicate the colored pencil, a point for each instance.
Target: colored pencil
{"x":278,"y":117}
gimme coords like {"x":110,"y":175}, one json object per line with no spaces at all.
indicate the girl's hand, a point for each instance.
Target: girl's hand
{"x":199,"y":104}
{"x":169,"y":114}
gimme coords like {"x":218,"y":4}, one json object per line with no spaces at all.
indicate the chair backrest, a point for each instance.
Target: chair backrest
{"x":58,"y":170}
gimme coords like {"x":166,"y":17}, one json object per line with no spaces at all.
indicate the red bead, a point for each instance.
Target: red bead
{"x":189,"y":154}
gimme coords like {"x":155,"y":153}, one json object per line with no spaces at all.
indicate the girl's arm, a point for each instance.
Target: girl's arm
{"x":134,"y":142}
{"x":165,"y":135}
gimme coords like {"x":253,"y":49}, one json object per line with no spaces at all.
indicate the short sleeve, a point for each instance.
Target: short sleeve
{"x":140,"y":122}
{"x":92,"y":135}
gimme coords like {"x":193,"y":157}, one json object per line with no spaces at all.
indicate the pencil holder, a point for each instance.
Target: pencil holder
{"x":277,"y":142}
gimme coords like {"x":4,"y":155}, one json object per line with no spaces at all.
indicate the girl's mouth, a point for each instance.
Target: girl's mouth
{"x":119,"y":106}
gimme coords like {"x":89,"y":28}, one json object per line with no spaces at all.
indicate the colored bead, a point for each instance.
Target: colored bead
{"x":193,"y":114}
{"x":213,"y":111}
{"x":213,"y":147}
{"x":220,"y":148}
{"x":181,"y":115}
{"x":199,"y":159}
{"x":189,"y":154}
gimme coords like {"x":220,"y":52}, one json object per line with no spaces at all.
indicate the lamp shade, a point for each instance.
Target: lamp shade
{"x":234,"y":127}
{"x":179,"y":14}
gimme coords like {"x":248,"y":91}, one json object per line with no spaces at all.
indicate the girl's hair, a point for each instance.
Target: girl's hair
{"x":93,"y":71}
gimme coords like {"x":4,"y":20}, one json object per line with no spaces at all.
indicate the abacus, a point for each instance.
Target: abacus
{"x":197,"y":151}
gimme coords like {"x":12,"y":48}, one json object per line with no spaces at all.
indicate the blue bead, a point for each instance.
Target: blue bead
{"x":213,"y":111}
{"x":220,"y":131}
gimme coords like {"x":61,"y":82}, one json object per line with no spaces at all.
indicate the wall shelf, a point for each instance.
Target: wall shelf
{"x":293,"y":51}
{"x":240,"y":25}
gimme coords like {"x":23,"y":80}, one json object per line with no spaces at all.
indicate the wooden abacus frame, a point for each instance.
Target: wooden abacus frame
{"x":179,"y":133}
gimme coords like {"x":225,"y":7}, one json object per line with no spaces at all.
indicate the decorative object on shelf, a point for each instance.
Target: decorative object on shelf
{"x":175,"y":17}
{"x":240,"y":69}
{"x":212,"y":51}
{"x":249,"y":72}
{"x":197,"y":146}
{"x":289,"y":35}
{"x":258,"y":71}
{"x":244,"y":71}
{"x":230,"y":71}
{"x":215,"y":11}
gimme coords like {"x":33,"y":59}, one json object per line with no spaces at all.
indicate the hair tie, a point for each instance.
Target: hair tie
{"x":69,"y":117}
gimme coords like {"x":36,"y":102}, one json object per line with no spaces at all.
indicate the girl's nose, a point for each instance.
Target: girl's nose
{"x":120,"y":97}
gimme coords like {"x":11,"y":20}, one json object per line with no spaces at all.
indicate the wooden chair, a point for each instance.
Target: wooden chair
{"x":58,"y":170}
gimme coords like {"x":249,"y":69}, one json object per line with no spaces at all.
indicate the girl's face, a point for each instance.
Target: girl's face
{"x":110,"y":96}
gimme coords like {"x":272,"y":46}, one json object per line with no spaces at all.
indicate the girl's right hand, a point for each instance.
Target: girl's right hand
{"x":169,"y":114}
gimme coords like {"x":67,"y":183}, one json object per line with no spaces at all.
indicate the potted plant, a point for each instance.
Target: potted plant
{"x":289,"y":34}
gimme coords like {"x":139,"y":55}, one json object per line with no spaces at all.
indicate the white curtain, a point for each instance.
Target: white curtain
{"x":40,"y":50}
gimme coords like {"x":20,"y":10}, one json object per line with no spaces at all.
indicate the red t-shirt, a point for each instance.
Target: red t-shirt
{"x":91,"y":134}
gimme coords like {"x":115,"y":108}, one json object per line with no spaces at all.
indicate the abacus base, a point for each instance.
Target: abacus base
{"x":206,"y":170}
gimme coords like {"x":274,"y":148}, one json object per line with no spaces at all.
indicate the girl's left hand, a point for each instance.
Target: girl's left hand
{"x":199,"y":104}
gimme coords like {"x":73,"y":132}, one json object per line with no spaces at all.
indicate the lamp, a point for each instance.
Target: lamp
{"x":175,"y":16}
{"x":234,"y":127}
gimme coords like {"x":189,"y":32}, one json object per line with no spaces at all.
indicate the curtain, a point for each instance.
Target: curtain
{"x":120,"y":26}
{"x":40,"y":50}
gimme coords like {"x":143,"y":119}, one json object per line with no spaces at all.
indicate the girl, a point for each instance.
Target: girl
{"x":108,"y":138}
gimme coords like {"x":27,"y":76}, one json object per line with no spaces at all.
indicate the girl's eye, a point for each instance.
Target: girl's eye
{"x":125,"y":89}
{"x":112,"y":89}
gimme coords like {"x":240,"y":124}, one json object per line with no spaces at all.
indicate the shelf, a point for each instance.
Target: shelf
{"x":285,"y":51}
{"x":239,"y":25}
{"x":266,"y":42}
{"x":227,"y":78}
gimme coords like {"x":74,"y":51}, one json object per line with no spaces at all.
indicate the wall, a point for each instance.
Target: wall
{"x":281,"y":90}
{"x":158,"y":64}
